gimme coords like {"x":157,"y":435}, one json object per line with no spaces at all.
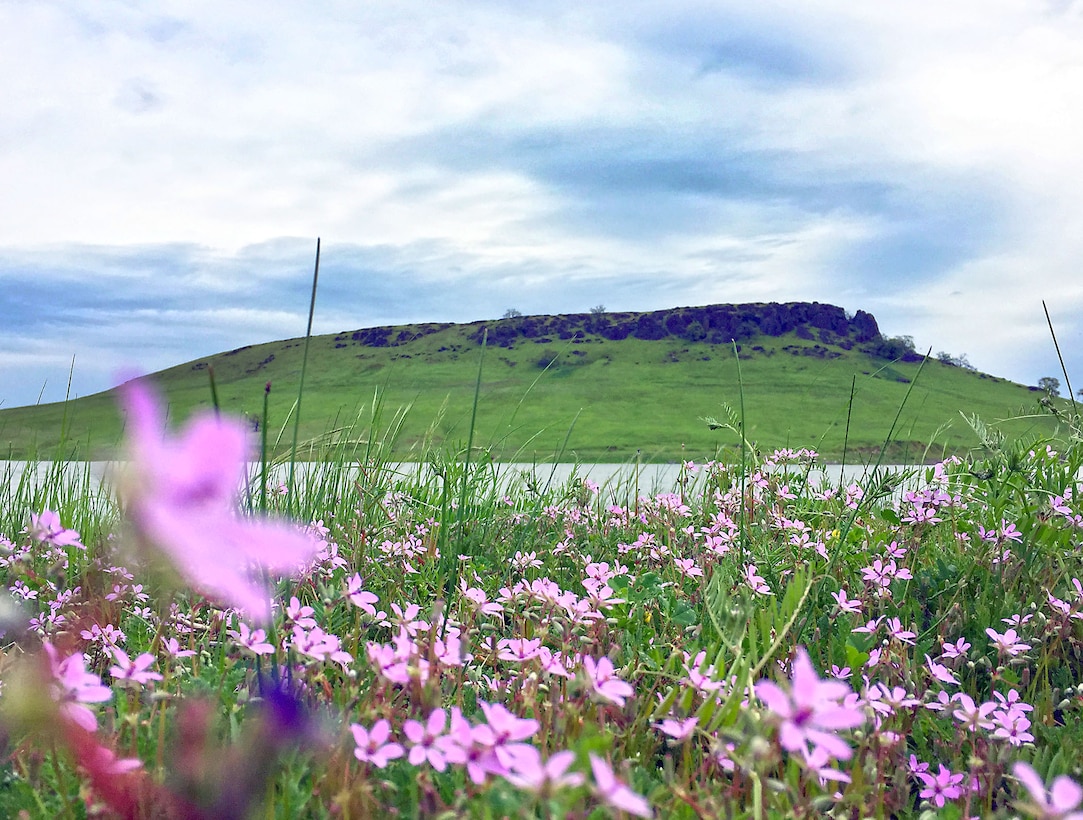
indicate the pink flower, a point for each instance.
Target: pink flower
{"x":255,"y":641}
{"x":940,"y":672}
{"x":181,"y":499}
{"x":1056,"y":804}
{"x":942,"y":786}
{"x":373,"y":746}
{"x":137,"y":670}
{"x":1008,"y":643}
{"x":74,"y":686}
{"x":679,"y":730}
{"x":615,"y":792}
{"x":429,"y":741}
{"x":47,"y":528}
{"x":758,"y":584}
{"x":532,"y":775}
{"x":811,"y":711}
{"x":604,"y":681}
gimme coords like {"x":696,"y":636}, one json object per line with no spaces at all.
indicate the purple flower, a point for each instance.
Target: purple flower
{"x":181,"y":499}
{"x":811,"y":711}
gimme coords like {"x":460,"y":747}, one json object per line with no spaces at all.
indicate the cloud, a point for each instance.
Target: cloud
{"x":167,"y":169}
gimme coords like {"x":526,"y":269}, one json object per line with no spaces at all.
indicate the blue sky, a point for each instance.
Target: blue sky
{"x":167,"y":167}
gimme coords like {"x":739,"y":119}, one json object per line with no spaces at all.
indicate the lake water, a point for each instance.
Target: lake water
{"x":625,"y":477}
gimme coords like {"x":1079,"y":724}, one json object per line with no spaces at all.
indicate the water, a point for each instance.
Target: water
{"x":646,"y":478}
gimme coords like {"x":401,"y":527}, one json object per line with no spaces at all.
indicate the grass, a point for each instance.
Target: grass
{"x":617,"y":398}
{"x":591,"y":627}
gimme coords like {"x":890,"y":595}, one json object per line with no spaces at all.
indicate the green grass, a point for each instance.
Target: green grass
{"x":623,"y":396}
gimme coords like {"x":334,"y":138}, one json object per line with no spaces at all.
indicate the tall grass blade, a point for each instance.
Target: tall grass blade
{"x":301,"y":383}
{"x":1060,"y":358}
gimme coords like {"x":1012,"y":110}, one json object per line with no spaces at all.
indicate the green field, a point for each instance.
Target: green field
{"x":597,"y":400}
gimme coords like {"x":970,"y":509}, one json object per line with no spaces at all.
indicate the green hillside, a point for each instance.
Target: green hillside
{"x":600,"y":393}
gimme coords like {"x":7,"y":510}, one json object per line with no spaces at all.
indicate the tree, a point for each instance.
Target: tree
{"x":1050,"y":384}
{"x":513,"y":313}
{"x":597,"y":310}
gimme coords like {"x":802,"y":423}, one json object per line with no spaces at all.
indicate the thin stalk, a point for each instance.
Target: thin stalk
{"x":744,"y":457}
{"x":263,"y":449}
{"x":846,"y":435}
{"x":304,"y":366}
{"x":1060,"y":358}
{"x":214,"y":390}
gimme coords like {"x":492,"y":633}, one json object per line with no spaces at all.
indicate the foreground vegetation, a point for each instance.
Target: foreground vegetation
{"x":754,"y":643}
{"x":587,"y":397}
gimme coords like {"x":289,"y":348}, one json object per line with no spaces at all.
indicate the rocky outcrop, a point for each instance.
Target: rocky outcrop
{"x":717,"y":324}
{"x":714,"y":324}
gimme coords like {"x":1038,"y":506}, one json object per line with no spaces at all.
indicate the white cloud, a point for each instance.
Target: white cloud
{"x":919,"y":160}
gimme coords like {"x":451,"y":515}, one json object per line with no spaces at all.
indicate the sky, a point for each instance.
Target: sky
{"x":166,"y":168}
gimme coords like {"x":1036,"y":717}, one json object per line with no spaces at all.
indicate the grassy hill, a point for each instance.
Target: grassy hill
{"x":589,"y":387}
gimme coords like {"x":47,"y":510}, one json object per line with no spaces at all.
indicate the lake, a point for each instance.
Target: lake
{"x":647,"y":478}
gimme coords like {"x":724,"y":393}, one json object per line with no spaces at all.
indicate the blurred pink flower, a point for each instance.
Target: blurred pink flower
{"x":47,"y":528}
{"x":73,"y":686}
{"x":1058,"y":803}
{"x":615,"y":792}
{"x":532,"y":775}
{"x":181,"y":498}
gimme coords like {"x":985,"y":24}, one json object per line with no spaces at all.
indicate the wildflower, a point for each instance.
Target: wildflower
{"x":137,"y":670}
{"x":255,"y":641}
{"x":1056,"y":804}
{"x":46,"y":528}
{"x":300,"y":615}
{"x":428,"y":740}
{"x":845,"y":603}
{"x":1012,"y":726}
{"x":181,"y":499}
{"x":532,"y":775}
{"x":503,"y":730}
{"x":362,"y":599}
{"x":615,"y":792}
{"x":896,"y":631}
{"x":373,"y":746}
{"x":173,"y":649}
{"x":1008,"y":643}
{"x":604,"y":681}
{"x":73,"y":686}
{"x":957,"y":649}
{"x":971,"y":716}
{"x":940,"y":672}
{"x":679,"y":730}
{"x":756,"y":582}
{"x":811,"y":711}
{"x":941,"y":787}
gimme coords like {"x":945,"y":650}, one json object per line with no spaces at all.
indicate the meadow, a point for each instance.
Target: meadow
{"x":751,"y":643}
{"x":582,"y":398}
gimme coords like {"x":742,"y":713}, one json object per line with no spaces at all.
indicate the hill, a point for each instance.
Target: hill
{"x":595,"y":386}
